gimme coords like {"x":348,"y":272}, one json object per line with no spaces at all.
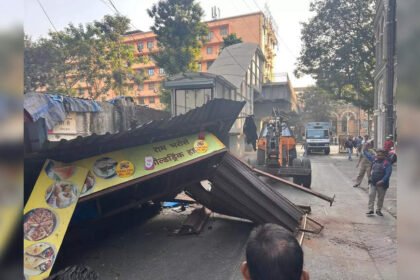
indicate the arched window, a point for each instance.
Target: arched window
{"x":334,"y":124}
{"x":344,"y":124}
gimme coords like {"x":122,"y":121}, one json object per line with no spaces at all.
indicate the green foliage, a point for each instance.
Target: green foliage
{"x":180,"y":33}
{"x":231,"y":39}
{"x":316,"y":105}
{"x":45,"y":66}
{"x":338,"y":49}
{"x":91,"y":56}
{"x":165,"y":98}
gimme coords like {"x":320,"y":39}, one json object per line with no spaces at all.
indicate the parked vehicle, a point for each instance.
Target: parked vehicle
{"x":276,"y":151}
{"x":317,"y":137}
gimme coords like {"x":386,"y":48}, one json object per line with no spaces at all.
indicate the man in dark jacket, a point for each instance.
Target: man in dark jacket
{"x":349,"y":146}
{"x":379,"y":180}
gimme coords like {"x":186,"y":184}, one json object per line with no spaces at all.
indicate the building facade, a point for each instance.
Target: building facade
{"x":278,"y":95}
{"x":255,"y":28}
{"x":385,"y":78}
{"x":346,"y":119}
{"x":236,"y":74}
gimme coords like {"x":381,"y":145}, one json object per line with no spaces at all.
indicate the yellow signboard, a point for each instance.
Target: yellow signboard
{"x":47,"y":215}
{"x":121,"y":166}
{"x":52,"y":202}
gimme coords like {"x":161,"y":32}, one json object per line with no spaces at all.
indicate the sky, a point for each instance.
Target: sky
{"x":287,"y":14}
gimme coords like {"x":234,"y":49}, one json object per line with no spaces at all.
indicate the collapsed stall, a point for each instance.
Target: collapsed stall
{"x":153,"y":162}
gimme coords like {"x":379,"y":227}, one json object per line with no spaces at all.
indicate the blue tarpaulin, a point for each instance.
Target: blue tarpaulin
{"x":54,"y":108}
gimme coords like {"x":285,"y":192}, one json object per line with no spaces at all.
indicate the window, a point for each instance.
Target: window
{"x":207,"y":95}
{"x":209,"y":50}
{"x":161,"y":71}
{"x":151,"y":71}
{"x":81,"y":91}
{"x":150,"y":45}
{"x":210,"y":36}
{"x":180,"y":102}
{"x":209,"y":63}
{"x":189,"y":99}
{"x":151,"y":86}
{"x":223,"y":31}
{"x":140,"y":87}
{"x":141,"y":100}
{"x":151,"y":100}
{"x":140,"y":46}
{"x":199,"y":97}
{"x":381,"y":41}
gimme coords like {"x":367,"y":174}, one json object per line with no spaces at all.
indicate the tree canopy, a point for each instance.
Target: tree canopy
{"x":317,"y":105}
{"x":338,"y":49}
{"x":180,"y":34}
{"x":91,"y":56}
{"x":230,"y":40}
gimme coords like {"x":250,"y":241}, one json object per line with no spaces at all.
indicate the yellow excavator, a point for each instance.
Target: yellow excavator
{"x":276,"y":151}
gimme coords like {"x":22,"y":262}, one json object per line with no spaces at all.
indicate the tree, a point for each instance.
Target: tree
{"x":339,"y":49}
{"x":180,"y":34}
{"x":91,"y":56}
{"x":45,"y":66}
{"x":231,"y":39}
{"x":317,"y":105}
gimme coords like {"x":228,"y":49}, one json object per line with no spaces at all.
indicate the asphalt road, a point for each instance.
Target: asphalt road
{"x":351,"y":246}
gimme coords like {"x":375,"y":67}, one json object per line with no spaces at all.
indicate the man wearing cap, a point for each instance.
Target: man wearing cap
{"x":389,"y":144}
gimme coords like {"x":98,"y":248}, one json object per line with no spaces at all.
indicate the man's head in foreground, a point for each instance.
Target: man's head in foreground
{"x":272,"y":253}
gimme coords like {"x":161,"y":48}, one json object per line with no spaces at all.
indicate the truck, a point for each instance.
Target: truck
{"x":317,"y":137}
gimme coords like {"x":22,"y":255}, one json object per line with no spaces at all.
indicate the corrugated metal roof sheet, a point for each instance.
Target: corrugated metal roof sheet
{"x":216,"y":116}
{"x":237,"y":191}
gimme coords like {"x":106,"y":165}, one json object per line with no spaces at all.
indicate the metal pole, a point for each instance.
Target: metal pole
{"x":293,"y":185}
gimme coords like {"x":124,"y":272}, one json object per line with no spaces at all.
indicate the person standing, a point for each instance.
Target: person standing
{"x":364,"y":163}
{"x":358,"y":146}
{"x":349,"y":146}
{"x":379,"y":180}
{"x":389,"y":144}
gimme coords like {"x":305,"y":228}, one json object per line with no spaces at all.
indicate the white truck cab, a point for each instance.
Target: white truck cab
{"x":317,"y":137}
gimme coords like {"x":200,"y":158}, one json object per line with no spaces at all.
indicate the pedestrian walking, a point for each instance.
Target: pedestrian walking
{"x":379,"y":180}
{"x":349,"y":147}
{"x":364,"y":163}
